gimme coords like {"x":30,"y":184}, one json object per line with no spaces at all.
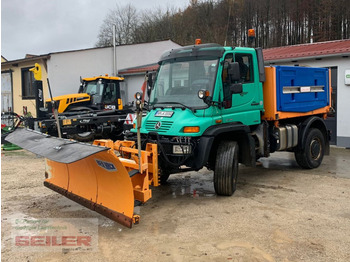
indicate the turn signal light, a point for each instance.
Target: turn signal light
{"x":191,"y":129}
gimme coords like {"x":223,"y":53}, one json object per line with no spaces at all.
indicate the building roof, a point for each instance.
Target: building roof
{"x":320,"y":49}
{"x":28,"y":59}
{"x":138,"y":70}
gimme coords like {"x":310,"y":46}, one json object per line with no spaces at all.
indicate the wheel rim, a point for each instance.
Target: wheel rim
{"x":85,"y":134}
{"x":315,"y":149}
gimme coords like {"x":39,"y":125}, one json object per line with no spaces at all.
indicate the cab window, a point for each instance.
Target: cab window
{"x":227,"y":99}
{"x":245,"y":66}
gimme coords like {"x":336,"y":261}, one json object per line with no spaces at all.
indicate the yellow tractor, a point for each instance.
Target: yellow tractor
{"x":97,"y":109}
{"x":95,"y":93}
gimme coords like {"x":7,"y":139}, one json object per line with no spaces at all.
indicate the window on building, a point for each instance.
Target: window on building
{"x":27,"y":84}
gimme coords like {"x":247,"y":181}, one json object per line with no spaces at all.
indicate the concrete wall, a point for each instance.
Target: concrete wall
{"x":65,"y":68}
{"x":343,"y":92}
{"x":133,"y":84}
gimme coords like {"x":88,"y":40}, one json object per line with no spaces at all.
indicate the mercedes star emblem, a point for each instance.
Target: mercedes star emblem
{"x":158,"y":125}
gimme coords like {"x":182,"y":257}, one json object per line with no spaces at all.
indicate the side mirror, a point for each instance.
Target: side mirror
{"x":150,"y":78}
{"x":236,"y":89}
{"x":81,"y":86}
{"x":150,"y":82}
{"x":234,"y":72}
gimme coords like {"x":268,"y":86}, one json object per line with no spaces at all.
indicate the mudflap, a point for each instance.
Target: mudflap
{"x":99,"y":182}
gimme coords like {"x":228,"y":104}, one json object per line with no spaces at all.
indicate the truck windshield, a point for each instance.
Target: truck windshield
{"x":93,"y":88}
{"x":178,"y":82}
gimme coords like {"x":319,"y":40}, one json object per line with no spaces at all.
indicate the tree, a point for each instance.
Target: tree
{"x":276,"y":22}
{"x":126,"y":21}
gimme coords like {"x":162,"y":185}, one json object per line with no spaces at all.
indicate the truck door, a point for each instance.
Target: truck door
{"x":241,"y":107}
{"x":111,"y":94}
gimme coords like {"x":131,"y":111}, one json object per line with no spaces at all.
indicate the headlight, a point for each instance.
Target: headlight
{"x":182,"y":149}
{"x":203,"y":93}
{"x":138,"y":95}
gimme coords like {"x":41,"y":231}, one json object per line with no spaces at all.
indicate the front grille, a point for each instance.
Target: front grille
{"x":165,"y":126}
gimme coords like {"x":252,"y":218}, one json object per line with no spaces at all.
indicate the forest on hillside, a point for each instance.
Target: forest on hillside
{"x":276,"y":22}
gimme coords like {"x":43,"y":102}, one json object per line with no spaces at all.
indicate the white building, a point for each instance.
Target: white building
{"x":65,"y":68}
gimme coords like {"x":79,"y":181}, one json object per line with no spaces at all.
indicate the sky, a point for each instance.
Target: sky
{"x":46,"y":26}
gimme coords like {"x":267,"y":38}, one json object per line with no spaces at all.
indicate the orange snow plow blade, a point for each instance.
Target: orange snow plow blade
{"x":99,"y":182}
{"x":109,"y":180}
{"x":105,"y":183}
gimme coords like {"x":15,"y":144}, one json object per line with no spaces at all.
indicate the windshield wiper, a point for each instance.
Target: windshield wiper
{"x":176,"y":103}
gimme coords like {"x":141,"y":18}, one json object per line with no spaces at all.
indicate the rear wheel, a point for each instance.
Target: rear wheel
{"x":312,"y":154}
{"x":226,"y":168}
{"x":86,"y":136}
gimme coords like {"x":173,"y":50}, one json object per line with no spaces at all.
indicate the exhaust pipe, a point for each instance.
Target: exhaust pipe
{"x":114,"y":52}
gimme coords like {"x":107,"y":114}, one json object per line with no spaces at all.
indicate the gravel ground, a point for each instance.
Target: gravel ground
{"x":278,"y":213}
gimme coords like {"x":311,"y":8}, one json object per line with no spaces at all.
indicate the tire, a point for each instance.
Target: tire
{"x":226,"y":168}
{"x":163,"y":176}
{"x":84,"y":136}
{"x":312,"y":154}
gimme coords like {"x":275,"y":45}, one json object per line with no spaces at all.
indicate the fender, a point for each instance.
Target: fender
{"x":226,"y":128}
{"x":214,"y":134}
{"x":76,"y":109}
{"x":308,"y":123}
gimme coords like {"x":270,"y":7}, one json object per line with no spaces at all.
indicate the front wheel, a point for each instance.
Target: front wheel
{"x":163,"y":175}
{"x":312,"y":154}
{"x":226,"y":168}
